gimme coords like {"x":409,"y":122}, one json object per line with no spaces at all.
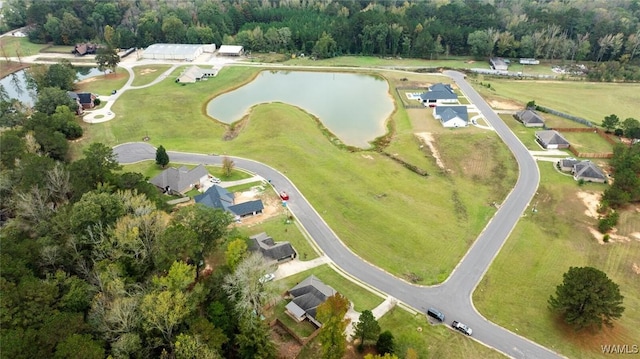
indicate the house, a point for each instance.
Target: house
{"x":587,"y":171}
{"x":451,"y":116}
{"x":566,"y":164}
{"x":550,"y":139}
{"x":219,"y":197}
{"x":84,"y":49}
{"x":530,"y":118}
{"x":180,"y":179}
{"x":529,"y":61}
{"x":230,"y":50}
{"x":439,"y":94}
{"x":278,"y":251}
{"x":307,"y":296}
{"x":194,"y":74}
{"x":498,"y":64}
{"x":87,"y":100}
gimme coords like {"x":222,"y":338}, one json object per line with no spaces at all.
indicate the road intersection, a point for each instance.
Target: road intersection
{"x":454,"y":296}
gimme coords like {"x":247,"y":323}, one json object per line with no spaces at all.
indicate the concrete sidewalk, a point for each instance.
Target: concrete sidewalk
{"x":296,"y":266}
{"x":377,"y":312}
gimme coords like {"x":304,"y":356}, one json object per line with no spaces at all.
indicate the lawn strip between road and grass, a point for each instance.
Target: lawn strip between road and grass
{"x":540,"y":250}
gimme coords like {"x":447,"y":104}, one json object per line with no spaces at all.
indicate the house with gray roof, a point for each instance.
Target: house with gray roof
{"x":278,"y":251}
{"x":194,"y":73}
{"x":588,"y":171}
{"x":530,"y":118}
{"x":439,"y":94}
{"x":181,"y":179}
{"x":218,"y":197}
{"x":307,"y":296}
{"x":451,"y":116}
{"x":566,"y":164}
{"x":551,"y":139}
{"x":498,"y":64}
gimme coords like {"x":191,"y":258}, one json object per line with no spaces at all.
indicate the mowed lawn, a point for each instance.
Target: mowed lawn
{"x":590,"y":100}
{"x":147,"y":73}
{"x":588,"y":142}
{"x":541,"y":249}
{"x":19,"y":47}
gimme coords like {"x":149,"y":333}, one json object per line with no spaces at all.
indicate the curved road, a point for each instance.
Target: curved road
{"x":453,"y":297}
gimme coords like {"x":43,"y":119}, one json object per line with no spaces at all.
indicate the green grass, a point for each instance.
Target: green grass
{"x":372,"y":61}
{"x":361,"y":298}
{"x":19,"y":46}
{"x":147,"y":73}
{"x":589,"y":100}
{"x":303,"y":329}
{"x":588,"y":142}
{"x":541,"y":248}
{"x":59,"y":49}
{"x":150,"y":169}
{"x":104,"y":84}
{"x":281,"y":231}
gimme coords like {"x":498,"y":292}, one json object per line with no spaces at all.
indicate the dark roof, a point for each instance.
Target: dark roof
{"x":551,"y":137}
{"x":447,"y":113}
{"x":242,"y":209}
{"x":529,"y":117}
{"x":587,"y":169}
{"x":439,"y":92}
{"x":271,"y":249}
{"x":216,"y":197}
{"x":73,"y":95}
{"x":568,"y":162}
{"x":85,"y":97}
{"x":310,"y":293}
{"x":179,"y":179}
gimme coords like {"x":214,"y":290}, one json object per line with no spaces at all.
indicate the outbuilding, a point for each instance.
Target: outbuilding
{"x":185,"y":52}
{"x":231,"y":50}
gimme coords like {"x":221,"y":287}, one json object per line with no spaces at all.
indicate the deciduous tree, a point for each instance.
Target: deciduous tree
{"x":587,"y":298}
{"x":331,"y":314}
{"x":227,"y":166}
{"x":610,"y":122}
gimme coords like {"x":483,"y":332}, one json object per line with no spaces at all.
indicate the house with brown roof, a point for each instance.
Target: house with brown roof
{"x":84,"y":49}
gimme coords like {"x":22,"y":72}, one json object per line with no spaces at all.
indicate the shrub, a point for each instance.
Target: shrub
{"x":618,"y":132}
{"x":385,"y":343}
{"x":96,"y":102}
{"x":607,"y":222}
{"x":71,"y":130}
{"x":605,"y":239}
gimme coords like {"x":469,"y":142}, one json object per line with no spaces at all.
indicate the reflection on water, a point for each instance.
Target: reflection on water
{"x":15,"y":84}
{"x":352,"y":106}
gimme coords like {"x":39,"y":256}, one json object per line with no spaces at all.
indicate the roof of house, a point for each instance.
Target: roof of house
{"x":568,"y":162}
{"x":230,"y":49}
{"x":498,"y":62}
{"x":551,"y":137}
{"x":447,"y":113}
{"x":216,"y":197}
{"x":439,"y":91}
{"x":309,"y":294}
{"x":245,"y":208}
{"x":271,"y":249}
{"x":85,"y":97}
{"x":193,"y":73}
{"x":587,"y":169}
{"x":179,"y":179}
{"x":529,"y":117}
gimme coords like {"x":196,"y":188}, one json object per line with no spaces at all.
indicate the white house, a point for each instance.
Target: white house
{"x":439,"y":94}
{"x":451,"y":116}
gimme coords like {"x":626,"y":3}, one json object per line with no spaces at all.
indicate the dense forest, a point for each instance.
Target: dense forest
{"x":564,"y":30}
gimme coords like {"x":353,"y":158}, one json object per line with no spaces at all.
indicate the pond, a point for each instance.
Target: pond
{"x":354,"y":107}
{"x":15,"y":84}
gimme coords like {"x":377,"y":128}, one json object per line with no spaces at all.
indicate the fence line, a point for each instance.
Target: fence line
{"x":564,"y":115}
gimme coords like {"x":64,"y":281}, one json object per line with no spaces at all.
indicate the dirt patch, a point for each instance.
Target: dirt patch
{"x":271,"y":202}
{"x":428,"y":140}
{"x":636,"y":268}
{"x":288,"y":348}
{"x":504,"y":105}
{"x":592,"y":201}
{"x":369,"y":157}
{"x":147,"y":71}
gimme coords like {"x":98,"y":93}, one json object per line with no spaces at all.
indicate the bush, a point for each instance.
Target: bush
{"x":97,"y":102}
{"x":618,"y":132}
{"x":72,"y":130}
{"x":605,"y":239}
{"x":607,"y":222}
{"x":385,"y":343}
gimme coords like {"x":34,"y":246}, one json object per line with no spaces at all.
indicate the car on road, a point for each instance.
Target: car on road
{"x":267,"y":278}
{"x":284,"y":196}
{"x":435,"y":314}
{"x":461,"y":328}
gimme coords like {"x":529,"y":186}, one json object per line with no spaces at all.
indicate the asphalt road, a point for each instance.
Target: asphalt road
{"x":453,"y":297}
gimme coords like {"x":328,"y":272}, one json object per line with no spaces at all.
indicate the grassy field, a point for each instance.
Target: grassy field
{"x":148,"y":73}
{"x":19,"y":47}
{"x":150,"y":169}
{"x":542,"y":247}
{"x":589,"y":100}
{"x":104,"y":84}
{"x":587,"y":142}
{"x":59,"y":49}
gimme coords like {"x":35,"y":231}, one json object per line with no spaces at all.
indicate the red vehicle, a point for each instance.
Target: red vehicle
{"x":284,"y":195}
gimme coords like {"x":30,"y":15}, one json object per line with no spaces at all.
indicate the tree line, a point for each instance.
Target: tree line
{"x":558,"y":30}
